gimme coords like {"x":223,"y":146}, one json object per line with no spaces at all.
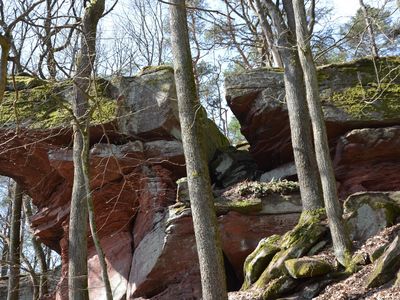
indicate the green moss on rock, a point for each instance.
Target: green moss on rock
{"x":308,"y":267}
{"x":369,"y":102}
{"x":386,"y":267}
{"x":278,"y":286}
{"x":260,"y":189}
{"x":259,"y":259}
{"x":243,"y":206}
{"x":153,"y":69}
{"x":295,"y":243}
{"x":309,"y":223}
{"x":48,"y":106}
{"x":365,"y":89}
{"x":23,"y":83}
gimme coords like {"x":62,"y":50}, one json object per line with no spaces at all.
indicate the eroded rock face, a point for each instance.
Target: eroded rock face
{"x":135,"y":157}
{"x":368,"y":160}
{"x":349,"y":99}
{"x":148,"y":105}
{"x":148,"y":108}
{"x":147,"y":237}
{"x":167,"y":254}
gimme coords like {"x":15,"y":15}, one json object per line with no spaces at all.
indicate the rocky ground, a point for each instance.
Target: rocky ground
{"x":352,"y":287}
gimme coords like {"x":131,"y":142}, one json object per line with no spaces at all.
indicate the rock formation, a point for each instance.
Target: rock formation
{"x":136,"y":158}
{"x":352,"y":99}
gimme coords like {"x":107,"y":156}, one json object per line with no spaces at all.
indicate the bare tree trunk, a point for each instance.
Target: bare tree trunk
{"x":201,"y":198}
{"x":5,"y":51}
{"x":81,"y":186}
{"x":6,"y":239}
{"x":51,"y":63}
{"x":370,"y":28}
{"x":40,"y":255}
{"x":15,"y":246}
{"x":300,"y":125}
{"x":341,"y":242}
{"x":4,"y":258}
{"x":267,"y":31}
{"x":6,"y":43}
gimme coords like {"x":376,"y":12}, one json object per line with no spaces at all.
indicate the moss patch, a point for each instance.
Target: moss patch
{"x":278,"y":286}
{"x":294,"y":244}
{"x":243,"y":206}
{"x":260,"y":189}
{"x":153,"y":69}
{"x":23,"y":83}
{"x":369,"y":102}
{"x":309,"y":225}
{"x":307,"y":267}
{"x":259,"y":259}
{"x":48,"y":106}
{"x":365,"y":89}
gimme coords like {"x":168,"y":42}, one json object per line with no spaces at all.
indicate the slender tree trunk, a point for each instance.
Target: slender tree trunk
{"x":4,"y":258}
{"x":267,"y":31}
{"x":35,"y":279}
{"x":51,"y":62}
{"x":15,"y":247}
{"x":81,"y":186}
{"x":39,"y":253}
{"x":370,"y":28}
{"x":201,"y":198}
{"x":341,"y":242}
{"x":6,"y":239}
{"x":299,"y":119}
{"x":5,"y":44}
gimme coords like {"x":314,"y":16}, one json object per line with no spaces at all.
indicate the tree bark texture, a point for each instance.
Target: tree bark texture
{"x":15,"y":245}
{"x":267,"y":31}
{"x":200,"y":193}
{"x":39,"y":253}
{"x":77,"y":277}
{"x":341,"y":242}
{"x":5,"y":44}
{"x":300,"y":125}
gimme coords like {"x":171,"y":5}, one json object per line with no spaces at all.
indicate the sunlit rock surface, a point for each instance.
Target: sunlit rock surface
{"x":351,"y":98}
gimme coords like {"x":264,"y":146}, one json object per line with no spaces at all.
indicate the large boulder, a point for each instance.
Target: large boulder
{"x":368,"y":213}
{"x":155,"y":267}
{"x":351,"y":98}
{"x":166,"y":255}
{"x":306,"y":267}
{"x":148,"y":105}
{"x":148,"y":108}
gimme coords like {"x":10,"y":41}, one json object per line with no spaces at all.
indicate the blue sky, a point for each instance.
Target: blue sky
{"x":345,"y":8}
